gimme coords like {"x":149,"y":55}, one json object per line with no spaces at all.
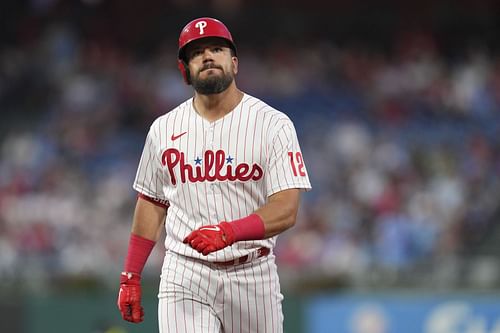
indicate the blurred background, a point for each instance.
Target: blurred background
{"x":397,"y":108}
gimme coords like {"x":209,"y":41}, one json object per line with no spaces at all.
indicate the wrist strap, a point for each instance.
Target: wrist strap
{"x":248,"y":228}
{"x":130,"y":278}
{"x":139,"y":249}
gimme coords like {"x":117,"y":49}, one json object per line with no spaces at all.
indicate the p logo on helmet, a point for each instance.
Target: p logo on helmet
{"x":196,"y":29}
{"x":201,"y":25}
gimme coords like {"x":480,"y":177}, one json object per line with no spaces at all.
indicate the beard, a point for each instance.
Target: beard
{"x":213,"y":84}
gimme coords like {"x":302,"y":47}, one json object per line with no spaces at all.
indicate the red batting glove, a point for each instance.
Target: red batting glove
{"x":210,"y":238}
{"x":129,"y":297}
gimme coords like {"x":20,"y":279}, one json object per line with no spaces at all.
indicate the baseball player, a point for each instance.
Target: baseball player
{"x":228,"y":169}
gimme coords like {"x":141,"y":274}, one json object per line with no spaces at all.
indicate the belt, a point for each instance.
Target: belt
{"x":261,"y":252}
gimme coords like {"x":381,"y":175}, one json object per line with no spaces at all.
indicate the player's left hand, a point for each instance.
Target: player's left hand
{"x":210,"y":238}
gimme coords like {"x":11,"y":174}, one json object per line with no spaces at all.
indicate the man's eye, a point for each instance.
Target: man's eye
{"x":217,"y":49}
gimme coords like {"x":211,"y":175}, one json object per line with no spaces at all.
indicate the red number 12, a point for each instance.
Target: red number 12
{"x":299,"y":161}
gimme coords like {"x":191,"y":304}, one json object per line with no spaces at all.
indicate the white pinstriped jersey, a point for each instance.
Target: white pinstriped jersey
{"x":219,"y":171}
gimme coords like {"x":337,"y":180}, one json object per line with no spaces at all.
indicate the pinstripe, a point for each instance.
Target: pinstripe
{"x":239,"y":207}
{"x":253,"y":272}
{"x":254,"y":299}
{"x":220,"y":298}
{"x":269,"y":151}
{"x":263,"y":300}
{"x":277,"y":176}
{"x":245,"y":204}
{"x":240,"y":302}
{"x":219,"y":186}
{"x":283,"y":150}
{"x":186,"y":149}
{"x":174,"y":272}
{"x":192,"y":301}
{"x":254,"y":187}
{"x":215,"y":201}
{"x":149,"y":164}
{"x":211,"y":301}
{"x":195,"y":123}
{"x":168,"y":272}
{"x":176,"y":228}
{"x":199,"y":287}
{"x":273,"y":307}
{"x":148,"y":160}
{"x":208,"y":216}
{"x":157,"y":173}
{"x":191,"y":202}
{"x":231,"y":300}
{"x":161,"y":173}
{"x":245,"y":150}
{"x":263,"y":152}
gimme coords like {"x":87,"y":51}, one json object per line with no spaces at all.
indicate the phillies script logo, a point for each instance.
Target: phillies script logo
{"x":214,"y":168}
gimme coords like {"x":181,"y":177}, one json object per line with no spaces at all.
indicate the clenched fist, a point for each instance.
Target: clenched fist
{"x":129,"y":297}
{"x":210,"y":238}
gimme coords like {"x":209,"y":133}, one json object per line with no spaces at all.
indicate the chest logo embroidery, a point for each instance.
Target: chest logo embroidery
{"x":213,"y":167}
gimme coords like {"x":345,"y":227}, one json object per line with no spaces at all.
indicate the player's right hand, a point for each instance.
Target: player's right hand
{"x":210,"y":238}
{"x":129,"y":297}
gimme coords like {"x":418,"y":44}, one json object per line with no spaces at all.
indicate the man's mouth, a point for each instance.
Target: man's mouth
{"x":206,"y":67}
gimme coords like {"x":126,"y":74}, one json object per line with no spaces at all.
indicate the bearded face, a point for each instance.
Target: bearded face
{"x":212,"y":79}
{"x":212,"y":65}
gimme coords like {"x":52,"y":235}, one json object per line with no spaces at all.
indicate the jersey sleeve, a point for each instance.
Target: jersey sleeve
{"x":149,"y":180}
{"x":286,"y":167}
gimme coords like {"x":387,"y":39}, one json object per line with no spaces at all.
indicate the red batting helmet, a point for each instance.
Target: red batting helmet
{"x":196,"y":29}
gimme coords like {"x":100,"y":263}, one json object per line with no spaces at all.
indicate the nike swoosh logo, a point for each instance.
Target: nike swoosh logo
{"x":175,"y":137}
{"x":212,"y":227}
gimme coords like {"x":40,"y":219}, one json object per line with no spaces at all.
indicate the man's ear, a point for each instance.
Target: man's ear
{"x":235,"y":65}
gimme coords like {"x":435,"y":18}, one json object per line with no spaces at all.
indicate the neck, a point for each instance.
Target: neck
{"x":216,"y":106}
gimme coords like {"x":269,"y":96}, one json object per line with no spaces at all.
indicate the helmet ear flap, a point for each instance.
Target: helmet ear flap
{"x":184,"y":71}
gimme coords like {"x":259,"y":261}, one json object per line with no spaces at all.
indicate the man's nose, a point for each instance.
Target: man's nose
{"x":207,"y":55}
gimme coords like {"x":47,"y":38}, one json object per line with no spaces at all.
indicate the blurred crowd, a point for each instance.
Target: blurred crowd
{"x":401,"y":146}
